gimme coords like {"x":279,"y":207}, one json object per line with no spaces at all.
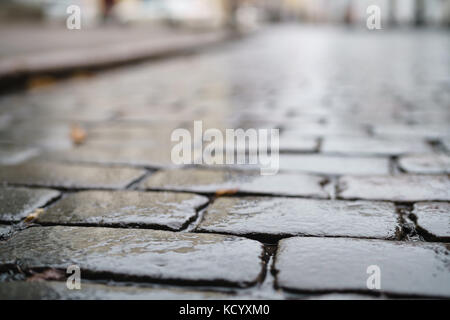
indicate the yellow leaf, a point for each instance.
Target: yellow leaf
{"x":78,"y":135}
{"x":34,"y":215}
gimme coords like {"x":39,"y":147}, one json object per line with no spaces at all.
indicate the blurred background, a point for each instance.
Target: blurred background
{"x":221,"y":13}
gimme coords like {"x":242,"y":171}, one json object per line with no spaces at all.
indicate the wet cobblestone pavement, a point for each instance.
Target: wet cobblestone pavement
{"x":87,"y":178}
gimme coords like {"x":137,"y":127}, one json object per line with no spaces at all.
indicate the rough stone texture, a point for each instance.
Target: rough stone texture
{"x":338,"y":264}
{"x":334,"y":165}
{"x":137,"y":253}
{"x":10,"y":155}
{"x":117,"y":155}
{"x":434,"y":218}
{"x":69,"y":176}
{"x":52,"y":290}
{"x":4,"y":231}
{"x":395,"y":188}
{"x":17,"y":203}
{"x":375,"y":146}
{"x":287,"y":217}
{"x":125,"y":208}
{"x":211,"y":181}
{"x":426,"y":163}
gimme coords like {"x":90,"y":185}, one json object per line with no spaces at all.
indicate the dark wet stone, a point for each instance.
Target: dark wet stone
{"x":434,"y":218}
{"x":275,"y":217}
{"x":375,"y":146}
{"x":325,"y":164}
{"x":4,"y":231}
{"x":125,"y":208}
{"x":211,"y":181}
{"x":10,"y":155}
{"x":138,"y":253}
{"x":69,"y":176}
{"x":52,"y":290}
{"x":156,"y":156}
{"x":338,"y":264}
{"x":426,"y":163}
{"x":17,"y":203}
{"x":395,"y":188}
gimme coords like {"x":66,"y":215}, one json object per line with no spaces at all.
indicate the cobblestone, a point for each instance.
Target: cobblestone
{"x":212,"y":181}
{"x":395,"y":188}
{"x":327,"y":264}
{"x":52,"y":290}
{"x":68,"y":176}
{"x":115,"y":155}
{"x":434,"y":218}
{"x":326,"y":218}
{"x":333,"y":165}
{"x":17,"y":203}
{"x":10,"y":155}
{"x":357,"y":123}
{"x":373,"y":146}
{"x":124,"y":209}
{"x":426,"y":163}
{"x":133,"y":253}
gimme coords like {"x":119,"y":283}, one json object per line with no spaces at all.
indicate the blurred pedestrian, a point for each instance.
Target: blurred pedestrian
{"x":107,"y":7}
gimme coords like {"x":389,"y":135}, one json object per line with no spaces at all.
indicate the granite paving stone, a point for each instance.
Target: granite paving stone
{"x":373,"y":146}
{"x":116,"y":155}
{"x":138,"y":253}
{"x":434,"y":218}
{"x":281,"y":217}
{"x":10,"y":154}
{"x":17,"y":203}
{"x":340,"y":264}
{"x":212,"y":181}
{"x":49,"y":174}
{"x":395,"y":188}
{"x":54,"y":290}
{"x":125,"y":208}
{"x":426,"y":163}
{"x":333,"y":165}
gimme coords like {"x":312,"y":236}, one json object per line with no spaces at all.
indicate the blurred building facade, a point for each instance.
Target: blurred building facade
{"x":217,"y":13}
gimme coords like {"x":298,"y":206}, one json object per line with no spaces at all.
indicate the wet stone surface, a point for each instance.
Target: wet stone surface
{"x":125,"y":208}
{"x":426,"y":163}
{"x":338,"y":264}
{"x":279,"y":217}
{"x":117,"y":155}
{"x":17,"y":203}
{"x":434,"y":218}
{"x":69,"y":176}
{"x":212,"y":181}
{"x":10,"y":154}
{"x":373,"y":146}
{"x":290,"y":143}
{"x":333,"y":165}
{"x":4,"y":231}
{"x":136,"y":253}
{"x":395,"y":188}
{"x":52,"y":290}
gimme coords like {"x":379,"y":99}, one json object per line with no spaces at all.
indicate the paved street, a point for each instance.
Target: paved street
{"x":87,"y":177}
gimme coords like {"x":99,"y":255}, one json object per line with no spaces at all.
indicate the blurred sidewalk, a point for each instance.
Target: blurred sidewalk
{"x":52,"y":50}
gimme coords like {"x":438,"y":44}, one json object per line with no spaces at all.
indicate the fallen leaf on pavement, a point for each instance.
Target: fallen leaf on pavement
{"x":34,"y":215}
{"x":226,"y":192}
{"x":78,"y":134}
